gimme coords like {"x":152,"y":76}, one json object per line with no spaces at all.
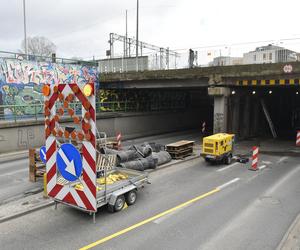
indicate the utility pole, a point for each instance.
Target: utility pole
{"x":25,"y":35}
{"x":126,"y":37}
{"x":137,"y":35}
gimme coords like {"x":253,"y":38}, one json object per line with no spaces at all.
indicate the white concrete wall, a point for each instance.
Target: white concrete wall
{"x":14,"y":138}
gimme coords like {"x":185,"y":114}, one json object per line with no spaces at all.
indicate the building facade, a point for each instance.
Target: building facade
{"x":269,"y":54}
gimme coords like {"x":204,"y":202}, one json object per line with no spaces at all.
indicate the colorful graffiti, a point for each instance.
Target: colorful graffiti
{"x":21,"y":82}
{"x":142,"y":100}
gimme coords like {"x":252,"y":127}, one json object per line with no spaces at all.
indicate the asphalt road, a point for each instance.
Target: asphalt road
{"x":14,"y":175}
{"x":253,"y":210}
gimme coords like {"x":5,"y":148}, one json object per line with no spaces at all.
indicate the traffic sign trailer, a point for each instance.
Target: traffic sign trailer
{"x":71,"y":155}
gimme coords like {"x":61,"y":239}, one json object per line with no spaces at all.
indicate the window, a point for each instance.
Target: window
{"x":270,"y":56}
{"x":264,"y":56}
{"x":254,"y":58}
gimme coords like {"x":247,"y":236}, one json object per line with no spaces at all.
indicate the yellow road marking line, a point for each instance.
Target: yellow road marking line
{"x":98,"y":242}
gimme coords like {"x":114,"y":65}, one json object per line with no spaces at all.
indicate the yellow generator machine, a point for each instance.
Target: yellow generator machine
{"x":218,"y":148}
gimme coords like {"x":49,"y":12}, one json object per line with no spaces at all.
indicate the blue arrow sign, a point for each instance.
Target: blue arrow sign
{"x":43,"y":154}
{"x":69,"y":162}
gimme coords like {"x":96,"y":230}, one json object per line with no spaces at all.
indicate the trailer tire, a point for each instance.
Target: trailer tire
{"x":131,"y":197}
{"x":119,"y":204}
{"x":228,"y":159}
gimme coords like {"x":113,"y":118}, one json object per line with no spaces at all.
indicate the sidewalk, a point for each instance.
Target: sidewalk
{"x":291,"y":240}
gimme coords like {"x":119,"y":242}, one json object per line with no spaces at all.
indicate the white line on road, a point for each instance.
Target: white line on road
{"x":262,"y":167}
{"x":228,"y":183}
{"x":282,"y":159}
{"x":267,"y":162}
{"x":230,"y":166}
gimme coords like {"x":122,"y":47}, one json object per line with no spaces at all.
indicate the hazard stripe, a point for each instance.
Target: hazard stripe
{"x":90,"y":195}
{"x":51,"y":172}
{"x":50,"y":151}
{"x":51,"y":183}
{"x":85,"y":200}
{"x":55,"y":190}
{"x":79,"y":201}
{"x":265,"y":82}
{"x":62,"y":193}
{"x":255,"y":151}
{"x":254,"y":161}
{"x":70,"y":199}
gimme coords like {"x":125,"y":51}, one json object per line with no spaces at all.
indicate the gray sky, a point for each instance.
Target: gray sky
{"x":81,"y":27}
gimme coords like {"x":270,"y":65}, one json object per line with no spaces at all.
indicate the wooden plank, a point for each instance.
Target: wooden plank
{"x":180,"y":143}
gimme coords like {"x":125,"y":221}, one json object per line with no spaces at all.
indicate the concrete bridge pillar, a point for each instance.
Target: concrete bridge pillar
{"x":220,"y":95}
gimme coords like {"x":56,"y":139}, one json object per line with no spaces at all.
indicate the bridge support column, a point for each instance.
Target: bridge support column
{"x":220,"y":95}
{"x":235,"y":107}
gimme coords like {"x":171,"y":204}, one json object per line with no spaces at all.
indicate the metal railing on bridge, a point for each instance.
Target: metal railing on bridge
{"x":35,"y":112}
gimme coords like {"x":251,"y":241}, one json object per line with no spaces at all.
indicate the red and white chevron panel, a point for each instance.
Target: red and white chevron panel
{"x":298,"y":139}
{"x":85,"y":199}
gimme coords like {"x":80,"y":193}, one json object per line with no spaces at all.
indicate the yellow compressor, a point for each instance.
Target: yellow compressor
{"x":218,"y":148}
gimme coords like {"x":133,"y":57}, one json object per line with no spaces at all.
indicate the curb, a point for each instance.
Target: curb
{"x":13,"y":156}
{"x":289,"y":231}
{"x":16,"y":215}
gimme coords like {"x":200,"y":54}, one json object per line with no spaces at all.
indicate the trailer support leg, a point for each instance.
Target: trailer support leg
{"x":94,"y":218}
{"x":55,"y":205}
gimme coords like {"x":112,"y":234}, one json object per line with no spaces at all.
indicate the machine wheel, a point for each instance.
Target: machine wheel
{"x":130,"y":197}
{"x":228,"y":159}
{"x":119,"y":204}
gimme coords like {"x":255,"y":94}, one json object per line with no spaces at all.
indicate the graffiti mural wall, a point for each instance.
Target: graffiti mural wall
{"x":142,"y":100}
{"x":21,"y":82}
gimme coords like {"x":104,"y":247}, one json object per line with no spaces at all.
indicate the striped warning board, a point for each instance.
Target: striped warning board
{"x":298,"y":139}
{"x":66,"y":191}
{"x":254,"y":164}
{"x":269,"y":82}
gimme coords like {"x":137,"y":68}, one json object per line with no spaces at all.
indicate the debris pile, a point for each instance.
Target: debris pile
{"x":141,"y":157}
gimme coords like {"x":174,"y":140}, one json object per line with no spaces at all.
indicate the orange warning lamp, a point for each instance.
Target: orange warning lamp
{"x":46,"y":90}
{"x":88,"y":90}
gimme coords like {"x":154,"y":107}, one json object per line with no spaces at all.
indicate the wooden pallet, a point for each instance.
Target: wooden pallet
{"x":181,"y":154}
{"x":108,"y":163}
{"x":36,"y":167}
{"x":180,"y":149}
{"x":180,"y":145}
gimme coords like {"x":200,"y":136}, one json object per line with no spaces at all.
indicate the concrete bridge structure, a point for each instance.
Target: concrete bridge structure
{"x":226,"y":98}
{"x":237,"y":93}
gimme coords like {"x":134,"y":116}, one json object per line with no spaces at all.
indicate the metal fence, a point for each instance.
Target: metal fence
{"x":272,"y":51}
{"x":16,"y":113}
{"x":37,"y":58}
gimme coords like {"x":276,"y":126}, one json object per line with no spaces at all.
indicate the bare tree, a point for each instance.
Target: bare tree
{"x":39,"y":45}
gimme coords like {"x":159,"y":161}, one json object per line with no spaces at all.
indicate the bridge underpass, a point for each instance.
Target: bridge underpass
{"x":244,"y":114}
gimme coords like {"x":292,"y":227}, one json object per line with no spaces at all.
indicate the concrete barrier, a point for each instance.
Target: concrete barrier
{"x":23,"y":135}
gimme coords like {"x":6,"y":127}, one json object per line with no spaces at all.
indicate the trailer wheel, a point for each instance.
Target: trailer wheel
{"x":228,"y":159}
{"x":119,"y":204}
{"x":130,"y":197}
